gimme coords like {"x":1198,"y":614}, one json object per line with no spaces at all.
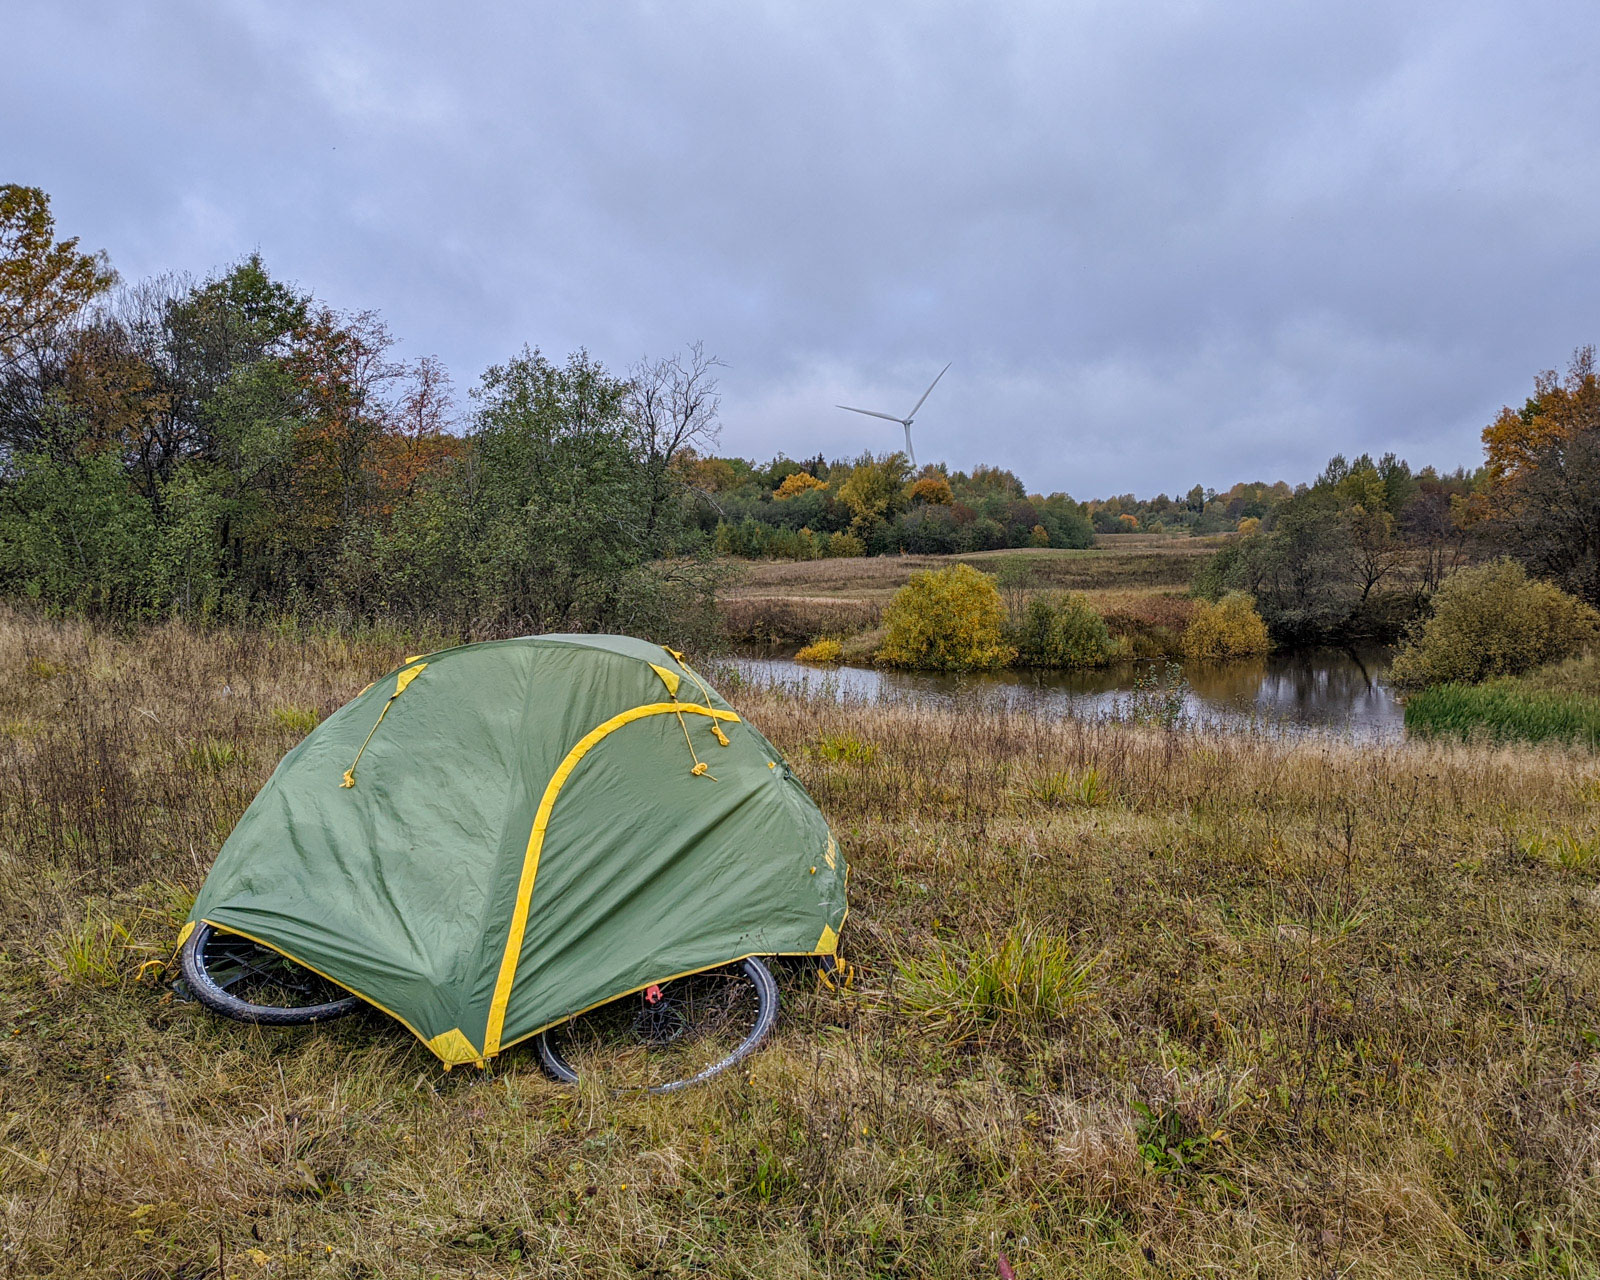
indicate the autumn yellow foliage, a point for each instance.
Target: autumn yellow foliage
{"x":1230,"y":628}
{"x":1494,"y":620}
{"x":797,"y":483}
{"x":1515,"y":443}
{"x":931,"y":489}
{"x":946,"y":620}
{"x":824,"y":651}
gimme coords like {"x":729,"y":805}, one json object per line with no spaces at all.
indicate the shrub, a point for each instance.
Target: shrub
{"x":1066,"y":631}
{"x":825,"y":650}
{"x":1493,"y":620}
{"x":845,"y":546}
{"x":946,"y":620}
{"x":1231,"y":628}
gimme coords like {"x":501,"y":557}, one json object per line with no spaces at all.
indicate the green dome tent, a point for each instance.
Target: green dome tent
{"x":496,"y":838}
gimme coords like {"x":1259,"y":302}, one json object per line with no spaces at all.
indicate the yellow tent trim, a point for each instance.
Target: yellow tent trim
{"x":343,"y":986}
{"x":669,"y":678}
{"x":401,"y":681}
{"x":530,"y":860}
{"x":454,"y":1048}
{"x":828,"y":943}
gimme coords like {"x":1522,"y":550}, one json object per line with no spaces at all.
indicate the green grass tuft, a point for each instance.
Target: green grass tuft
{"x":1503,"y":711}
{"x":1026,"y":978}
{"x":844,"y":748}
{"x":1069,"y":788}
{"x":90,"y":950}
{"x":212,"y":756}
{"x":296,"y":719}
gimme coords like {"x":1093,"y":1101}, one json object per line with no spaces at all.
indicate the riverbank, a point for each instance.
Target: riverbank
{"x":1337,"y":1013}
{"x":1559,"y":704}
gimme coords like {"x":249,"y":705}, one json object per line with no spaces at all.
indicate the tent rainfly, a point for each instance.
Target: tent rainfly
{"x":496,"y":838}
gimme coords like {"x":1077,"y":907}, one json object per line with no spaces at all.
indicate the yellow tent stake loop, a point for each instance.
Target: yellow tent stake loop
{"x":403,"y":680}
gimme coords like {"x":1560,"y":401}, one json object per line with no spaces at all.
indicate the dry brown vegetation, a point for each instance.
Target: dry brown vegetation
{"x":1130,"y":1003}
{"x":1139,"y":584}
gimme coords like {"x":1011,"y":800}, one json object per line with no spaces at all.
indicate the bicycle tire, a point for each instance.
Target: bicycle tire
{"x":215,"y":996}
{"x":766,"y":988}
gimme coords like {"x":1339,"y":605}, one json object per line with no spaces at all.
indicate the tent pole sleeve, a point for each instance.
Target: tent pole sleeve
{"x":530,"y":859}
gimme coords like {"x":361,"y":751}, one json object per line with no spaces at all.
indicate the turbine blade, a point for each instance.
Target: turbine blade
{"x":910,"y":452}
{"x":927,"y":393}
{"x":872,"y":413}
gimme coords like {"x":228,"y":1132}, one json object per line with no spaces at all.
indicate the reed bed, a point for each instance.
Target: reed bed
{"x":1504,"y":711}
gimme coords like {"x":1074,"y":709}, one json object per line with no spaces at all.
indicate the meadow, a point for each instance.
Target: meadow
{"x":1129,"y":1002}
{"x":1138,"y":582}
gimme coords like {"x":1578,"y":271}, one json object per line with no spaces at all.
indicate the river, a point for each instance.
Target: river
{"x":1323,"y":692}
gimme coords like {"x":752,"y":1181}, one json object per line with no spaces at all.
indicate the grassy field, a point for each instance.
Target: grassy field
{"x":1131,"y":1003}
{"x":1138,"y":582}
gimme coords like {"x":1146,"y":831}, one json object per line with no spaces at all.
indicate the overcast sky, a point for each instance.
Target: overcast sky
{"x":1162,"y":243}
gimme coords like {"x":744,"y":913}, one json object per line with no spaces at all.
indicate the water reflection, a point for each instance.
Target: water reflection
{"x":1322,"y":691}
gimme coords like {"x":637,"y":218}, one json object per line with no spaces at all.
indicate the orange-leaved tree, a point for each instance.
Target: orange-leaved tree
{"x":44,"y":282}
{"x":1541,"y":497}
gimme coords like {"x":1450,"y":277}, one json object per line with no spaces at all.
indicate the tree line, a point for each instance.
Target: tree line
{"x":233,"y":446}
{"x":875,"y":505}
{"x":1361,"y":551}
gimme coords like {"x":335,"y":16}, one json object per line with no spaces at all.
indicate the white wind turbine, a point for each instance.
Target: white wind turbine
{"x":905,"y":421}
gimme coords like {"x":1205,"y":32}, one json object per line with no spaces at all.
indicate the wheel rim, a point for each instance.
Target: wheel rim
{"x":697,"y":1026}
{"x":261,"y":978}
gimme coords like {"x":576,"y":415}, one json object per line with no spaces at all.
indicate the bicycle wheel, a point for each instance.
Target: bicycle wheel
{"x":241,"y":979}
{"x":672,"y":1036}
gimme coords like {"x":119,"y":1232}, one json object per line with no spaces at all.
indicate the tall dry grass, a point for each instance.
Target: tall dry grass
{"x":1242,"y":1006}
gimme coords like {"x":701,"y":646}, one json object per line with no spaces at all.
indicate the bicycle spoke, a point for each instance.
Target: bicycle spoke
{"x":634,"y":1043}
{"x":264,"y":977}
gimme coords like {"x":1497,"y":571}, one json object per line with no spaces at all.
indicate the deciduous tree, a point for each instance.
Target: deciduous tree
{"x":44,"y":282}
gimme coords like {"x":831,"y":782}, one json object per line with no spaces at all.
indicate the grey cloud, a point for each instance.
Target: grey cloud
{"x":1162,"y":243}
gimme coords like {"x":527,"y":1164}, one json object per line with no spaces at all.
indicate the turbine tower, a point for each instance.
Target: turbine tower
{"x":905,"y":421}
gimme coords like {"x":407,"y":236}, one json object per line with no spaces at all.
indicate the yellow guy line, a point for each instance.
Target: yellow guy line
{"x":530,"y":860}
{"x":401,"y":681}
